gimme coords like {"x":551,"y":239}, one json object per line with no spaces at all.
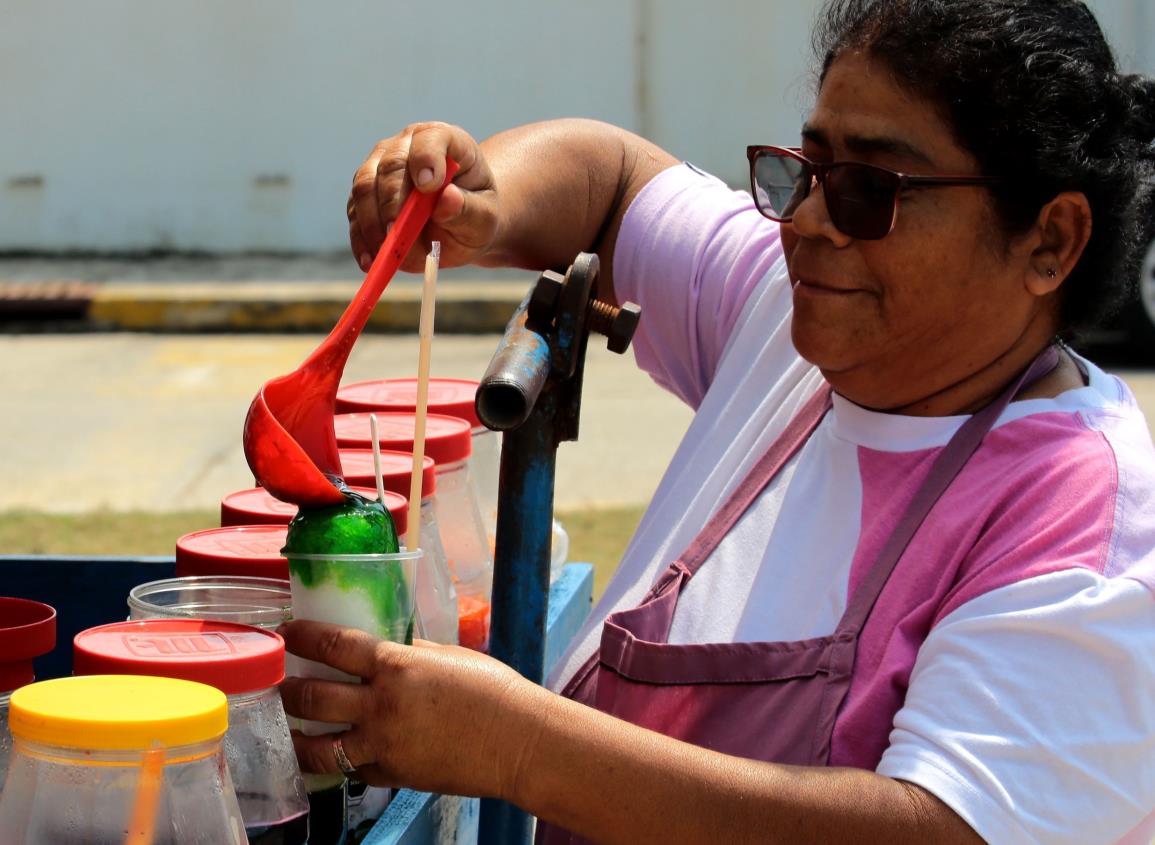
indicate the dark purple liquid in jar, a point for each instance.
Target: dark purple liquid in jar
{"x":290,"y":831}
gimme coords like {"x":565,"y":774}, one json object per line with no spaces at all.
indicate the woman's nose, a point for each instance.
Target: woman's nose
{"x":811,"y":219}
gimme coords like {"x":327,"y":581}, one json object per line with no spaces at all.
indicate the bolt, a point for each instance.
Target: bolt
{"x":617,"y":324}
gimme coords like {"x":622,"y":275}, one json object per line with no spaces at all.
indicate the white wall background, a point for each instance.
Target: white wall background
{"x":236,"y":124}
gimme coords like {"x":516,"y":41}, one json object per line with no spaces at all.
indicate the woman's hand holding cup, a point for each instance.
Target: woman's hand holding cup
{"x":430,"y":717}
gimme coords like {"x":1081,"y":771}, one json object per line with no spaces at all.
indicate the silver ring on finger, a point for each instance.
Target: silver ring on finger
{"x":342,"y":759}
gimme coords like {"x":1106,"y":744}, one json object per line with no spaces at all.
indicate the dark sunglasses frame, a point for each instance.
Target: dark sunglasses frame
{"x":818,"y":172}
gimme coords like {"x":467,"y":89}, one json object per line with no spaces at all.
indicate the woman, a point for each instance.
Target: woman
{"x":874,"y":599}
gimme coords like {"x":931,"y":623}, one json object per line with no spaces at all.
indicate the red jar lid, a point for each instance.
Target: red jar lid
{"x":447,"y":439}
{"x":233,"y":658}
{"x":396,"y":468}
{"x":256,"y":506}
{"x":236,"y":550}
{"x":453,"y":397}
{"x":27,"y":630}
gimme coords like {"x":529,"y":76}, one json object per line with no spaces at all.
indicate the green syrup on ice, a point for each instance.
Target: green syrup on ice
{"x":358,"y":526}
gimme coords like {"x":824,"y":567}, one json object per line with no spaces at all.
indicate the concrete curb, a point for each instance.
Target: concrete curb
{"x":463,"y":307}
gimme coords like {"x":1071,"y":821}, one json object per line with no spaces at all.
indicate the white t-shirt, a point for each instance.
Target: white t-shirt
{"x":1009,"y":665}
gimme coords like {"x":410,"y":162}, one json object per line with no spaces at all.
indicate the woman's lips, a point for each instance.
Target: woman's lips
{"x":814,"y":288}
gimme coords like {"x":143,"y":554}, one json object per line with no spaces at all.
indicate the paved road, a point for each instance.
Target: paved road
{"x":127,"y":421}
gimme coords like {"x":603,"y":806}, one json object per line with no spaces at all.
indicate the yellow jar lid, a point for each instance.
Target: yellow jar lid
{"x":117,"y":712}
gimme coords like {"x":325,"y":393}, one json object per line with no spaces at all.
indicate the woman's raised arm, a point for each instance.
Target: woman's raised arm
{"x":530,"y":197}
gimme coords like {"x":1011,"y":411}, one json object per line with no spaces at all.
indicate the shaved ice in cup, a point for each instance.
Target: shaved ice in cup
{"x":346,"y":568}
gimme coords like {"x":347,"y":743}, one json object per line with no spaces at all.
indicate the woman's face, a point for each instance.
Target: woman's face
{"x":893,"y":321}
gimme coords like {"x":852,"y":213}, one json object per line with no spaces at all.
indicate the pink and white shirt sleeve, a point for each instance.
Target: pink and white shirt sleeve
{"x":702,"y":269}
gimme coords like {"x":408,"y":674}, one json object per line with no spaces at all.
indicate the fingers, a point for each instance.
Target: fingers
{"x":325,"y":701}
{"x":316,"y":753}
{"x":415,"y":159}
{"x":371,"y":203}
{"x":347,"y":649}
{"x":430,"y":144}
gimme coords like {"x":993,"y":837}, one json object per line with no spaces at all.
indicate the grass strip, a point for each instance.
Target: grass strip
{"x":597,"y":535}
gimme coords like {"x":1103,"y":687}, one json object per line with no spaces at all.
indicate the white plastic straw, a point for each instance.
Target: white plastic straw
{"x":428,"y":301}
{"x":377,"y":459}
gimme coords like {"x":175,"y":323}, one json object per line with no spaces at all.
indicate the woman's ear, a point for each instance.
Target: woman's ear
{"x":1063,"y":229}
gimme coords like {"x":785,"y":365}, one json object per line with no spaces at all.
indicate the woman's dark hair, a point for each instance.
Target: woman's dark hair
{"x":1032,"y":90}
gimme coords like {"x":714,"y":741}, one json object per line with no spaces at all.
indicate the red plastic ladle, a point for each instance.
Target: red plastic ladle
{"x":288,"y":437}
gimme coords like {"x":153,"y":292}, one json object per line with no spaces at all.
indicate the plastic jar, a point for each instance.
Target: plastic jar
{"x":256,"y":506}
{"x":110,"y":759}
{"x":449,"y":444}
{"x":451,"y":397}
{"x":252,"y":550}
{"x":263,"y":602}
{"x":27,"y":630}
{"x":244,"y":663}
{"x":454,"y":398}
{"x":436,"y":595}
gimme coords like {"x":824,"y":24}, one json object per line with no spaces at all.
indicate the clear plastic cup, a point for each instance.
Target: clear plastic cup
{"x":436,"y":593}
{"x":96,"y":756}
{"x":373,"y":593}
{"x":263,"y":602}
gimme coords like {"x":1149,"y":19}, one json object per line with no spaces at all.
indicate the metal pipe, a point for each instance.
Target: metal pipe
{"x":515,"y":376}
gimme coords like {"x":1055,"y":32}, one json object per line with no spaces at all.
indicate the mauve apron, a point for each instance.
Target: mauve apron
{"x":774,"y":701}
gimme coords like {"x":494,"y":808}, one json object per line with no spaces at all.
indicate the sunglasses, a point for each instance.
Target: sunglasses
{"x":862,"y":199}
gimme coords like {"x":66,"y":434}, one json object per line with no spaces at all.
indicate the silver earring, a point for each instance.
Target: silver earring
{"x":1052,"y":272}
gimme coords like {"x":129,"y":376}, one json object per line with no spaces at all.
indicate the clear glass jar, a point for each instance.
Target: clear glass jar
{"x":263,"y":602}
{"x":485,"y":470}
{"x":72,"y":796}
{"x":5,"y":737}
{"x":98,"y":756}
{"x":436,"y":593}
{"x":243,"y":662}
{"x":468,"y":551}
{"x":269,"y":787}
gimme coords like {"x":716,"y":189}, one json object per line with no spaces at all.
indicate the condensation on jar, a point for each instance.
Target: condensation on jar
{"x":246,"y":664}
{"x":93,"y":756}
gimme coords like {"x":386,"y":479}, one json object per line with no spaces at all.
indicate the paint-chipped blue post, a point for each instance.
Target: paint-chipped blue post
{"x":521,"y":582}
{"x":532,"y":392}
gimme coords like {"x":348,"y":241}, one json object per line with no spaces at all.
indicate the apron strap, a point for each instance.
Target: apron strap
{"x":947,"y":465}
{"x":796,"y":433}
